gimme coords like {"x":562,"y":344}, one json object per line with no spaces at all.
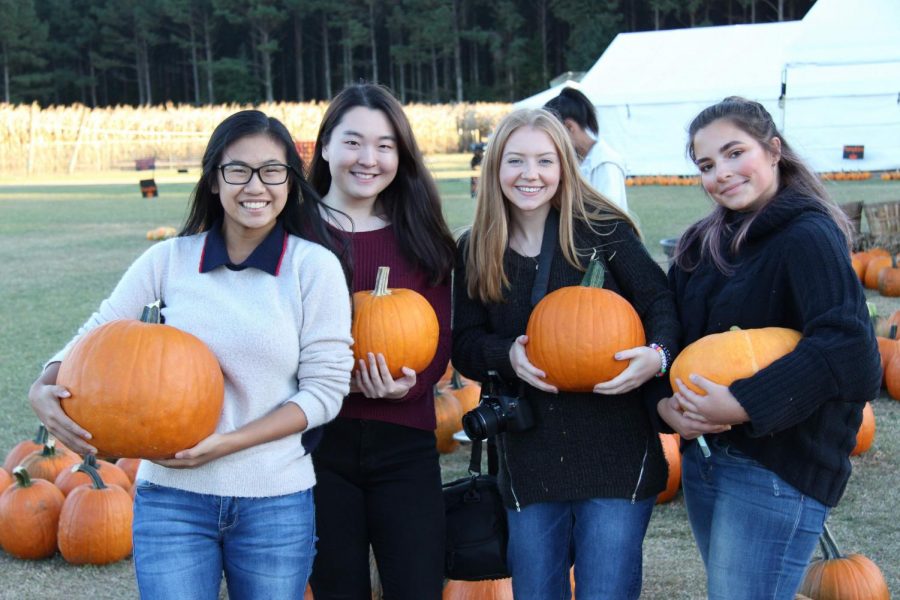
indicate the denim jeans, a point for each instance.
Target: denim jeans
{"x":755,"y":532}
{"x":378,"y":483}
{"x":184,"y":541}
{"x":603,"y":537}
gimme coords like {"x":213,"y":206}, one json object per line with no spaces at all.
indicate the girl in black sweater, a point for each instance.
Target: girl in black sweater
{"x":773,"y":253}
{"x":579,"y":484}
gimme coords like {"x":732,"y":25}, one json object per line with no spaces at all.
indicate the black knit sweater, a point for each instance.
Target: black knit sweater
{"x":583,"y":445}
{"x":794,"y":271}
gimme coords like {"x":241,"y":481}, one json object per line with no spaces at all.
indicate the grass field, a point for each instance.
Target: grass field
{"x":63,"y":247}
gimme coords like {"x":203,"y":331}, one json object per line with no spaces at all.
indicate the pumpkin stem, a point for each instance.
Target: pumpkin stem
{"x":49,"y":448}
{"x":92,"y":472}
{"x":381,"y":282}
{"x":873,"y":310}
{"x":829,"y":546}
{"x":41,"y":435}
{"x":150,"y":314}
{"x":892,"y":334}
{"x":23,"y":478}
{"x":595,"y":274}
{"x":456,"y":382}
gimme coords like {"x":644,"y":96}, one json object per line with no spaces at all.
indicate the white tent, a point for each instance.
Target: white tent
{"x":840,"y":66}
{"x":541,"y":98}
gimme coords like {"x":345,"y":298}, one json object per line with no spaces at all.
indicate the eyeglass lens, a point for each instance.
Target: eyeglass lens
{"x":273,"y":174}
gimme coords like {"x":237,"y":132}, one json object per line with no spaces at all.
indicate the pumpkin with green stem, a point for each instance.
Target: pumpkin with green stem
{"x":49,"y":461}
{"x":29,"y":516}
{"x":70,"y":478}
{"x":142,"y":389}
{"x":95,"y":522}
{"x":21,"y":450}
{"x":843,"y":577}
{"x":575,"y":331}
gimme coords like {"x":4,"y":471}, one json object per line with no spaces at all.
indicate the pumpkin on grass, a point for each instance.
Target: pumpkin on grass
{"x":448,"y":414}
{"x":49,"y":462}
{"x":142,"y":388}
{"x":69,"y":479}
{"x":672,"y":452}
{"x":840,"y":577}
{"x":398,"y":323}
{"x":866,"y":434}
{"x":726,"y":357}
{"x":29,"y":516}
{"x":95,"y":522}
{"x":21,"y":450}
{"x":575,"y":331}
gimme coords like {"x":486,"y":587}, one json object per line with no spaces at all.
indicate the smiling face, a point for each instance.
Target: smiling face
{"x":529,"y":170}
{"x":736,"y":171}
{"x":251,"y":208}
{"x":362,"y":157}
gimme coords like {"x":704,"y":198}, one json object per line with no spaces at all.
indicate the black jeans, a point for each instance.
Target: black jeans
{"x":379,"y":484}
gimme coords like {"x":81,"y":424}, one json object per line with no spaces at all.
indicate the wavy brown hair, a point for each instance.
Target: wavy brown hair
{"x":793,"y":174}
{"x":575,"y":200}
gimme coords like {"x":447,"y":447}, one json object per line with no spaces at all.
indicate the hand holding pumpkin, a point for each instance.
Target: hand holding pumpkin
{"x":373,"y":378}
{"x":669,"y":410}
{"x":716,"y":405}
{"x":644,"y":363}
{"x":208,"y":449}
{"x":45,"y":397}
{"x":526,"y":371}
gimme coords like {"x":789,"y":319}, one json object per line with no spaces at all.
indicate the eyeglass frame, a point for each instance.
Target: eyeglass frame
{"x":256,"y":171}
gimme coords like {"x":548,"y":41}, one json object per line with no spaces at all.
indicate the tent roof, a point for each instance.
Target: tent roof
{"x":702,"y":64}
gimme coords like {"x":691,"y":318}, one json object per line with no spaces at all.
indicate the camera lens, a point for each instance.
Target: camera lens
{"x":482,"y":421}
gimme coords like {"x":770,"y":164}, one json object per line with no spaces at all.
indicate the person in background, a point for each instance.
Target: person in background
{"x":274,"y":309}
{"x":601,"y":166}
{"x":580,"y":482}
{"x":378,"y":469}
{"x":774,"y":252}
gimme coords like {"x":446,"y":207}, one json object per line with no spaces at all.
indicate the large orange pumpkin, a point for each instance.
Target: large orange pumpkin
{"x":398,"y":323}
{"x":29,"y":516}
{"x":839,"y":577}
{"x":672,"y":452}
{"x":95,"y":522}
{"x":726,"y":357}
{"x":142,"y":389}
{"x":574,"y":332}
{"x":866,"y":434}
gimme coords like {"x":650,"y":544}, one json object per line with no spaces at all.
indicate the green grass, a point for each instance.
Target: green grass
{"x":62,"y":249}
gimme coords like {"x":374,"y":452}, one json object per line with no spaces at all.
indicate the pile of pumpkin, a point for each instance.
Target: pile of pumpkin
{"x":890,"y":176}
{"x":877,"y":270}
{"x":639,"y":180}
{"x":846,"y":175}
{"x":161,"y":233}
{"x":51,"y":500}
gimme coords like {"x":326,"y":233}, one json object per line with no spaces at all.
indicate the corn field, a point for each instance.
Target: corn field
{"x":66,"y":139}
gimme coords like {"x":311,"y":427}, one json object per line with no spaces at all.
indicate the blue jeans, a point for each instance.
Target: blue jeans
{"x":602,"y":537}
{"x":755,"y":532}
{"x":184,"y":541}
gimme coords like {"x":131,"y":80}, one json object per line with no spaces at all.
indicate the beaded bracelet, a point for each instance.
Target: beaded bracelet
{"x":664,"y":357}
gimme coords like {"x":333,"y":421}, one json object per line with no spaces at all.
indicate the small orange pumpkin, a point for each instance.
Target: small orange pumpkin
{"x":574,"y":332}
{"x":130,"y":466}
{"x":21,"y":450}
{"x":835,"y":576}
{"x":731,"y":355}
{"x":866,"y":434}
{"x":49,"y":461}
{"x":672,"y":452}
{"x":69,"y":479}
{"x":398,"y":323}
{"x":95,"y":522}
{"x":491,"y":589}
{"x":892,"y":377}
{"x":29,"y":516}
{"x":448,"y":414}
{"x":142,"y":389}
{"x":466,"y":391}
{"x":873,"y":270}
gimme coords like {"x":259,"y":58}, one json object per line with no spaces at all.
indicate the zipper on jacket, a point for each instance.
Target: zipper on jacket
{"x":641,"y":474}
{"x":509,"y":474}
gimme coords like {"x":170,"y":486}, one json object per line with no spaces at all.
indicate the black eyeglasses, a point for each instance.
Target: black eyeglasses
{"x":240,"y":174}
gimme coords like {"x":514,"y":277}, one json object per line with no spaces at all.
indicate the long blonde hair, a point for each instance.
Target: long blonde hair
{"x":574,"y":199}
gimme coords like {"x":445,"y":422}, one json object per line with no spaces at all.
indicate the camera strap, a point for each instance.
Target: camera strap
{"x":475,"y":460}
{"x":548,"y":248}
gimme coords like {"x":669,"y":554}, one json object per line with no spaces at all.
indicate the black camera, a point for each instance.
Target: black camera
{"x":497,"y":412}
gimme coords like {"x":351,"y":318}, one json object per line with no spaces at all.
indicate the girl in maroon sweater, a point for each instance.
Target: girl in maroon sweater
{"x":379,"y":479}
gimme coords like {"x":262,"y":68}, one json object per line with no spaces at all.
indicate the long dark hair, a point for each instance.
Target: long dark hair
{"x":411,"y":200}
{"x":301,"y":215}
{"x":572,"y":104}
{"x":793,"y":174}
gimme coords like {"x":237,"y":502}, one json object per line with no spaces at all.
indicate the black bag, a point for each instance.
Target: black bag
{"x":476,"y":522}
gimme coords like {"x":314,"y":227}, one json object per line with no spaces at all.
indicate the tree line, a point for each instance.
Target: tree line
{"x":109,"y":52}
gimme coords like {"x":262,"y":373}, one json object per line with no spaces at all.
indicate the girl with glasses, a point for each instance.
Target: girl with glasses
{"x":274,"y":308}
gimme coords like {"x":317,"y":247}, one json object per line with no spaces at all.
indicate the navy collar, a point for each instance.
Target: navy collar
{"x":266,"y":257}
